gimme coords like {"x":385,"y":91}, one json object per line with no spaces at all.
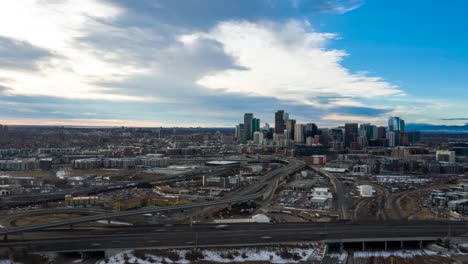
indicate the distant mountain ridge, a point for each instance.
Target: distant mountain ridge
{"x":436,"y":128}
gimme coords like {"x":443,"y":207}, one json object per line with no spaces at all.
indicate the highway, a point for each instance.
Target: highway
{"x":160,"y":236}
{"x":340,"y":193}
{"x":252,"y":192}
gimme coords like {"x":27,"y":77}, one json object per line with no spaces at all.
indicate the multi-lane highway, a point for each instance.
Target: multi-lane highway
{"x":234,"y":234}
{"x":252,"y":192}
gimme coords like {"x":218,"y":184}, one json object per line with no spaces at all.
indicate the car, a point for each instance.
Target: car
{"x":266,"y":237}
{"x":154,"y":241}
{"x":96,"y":244}
{"x":190,"y":243}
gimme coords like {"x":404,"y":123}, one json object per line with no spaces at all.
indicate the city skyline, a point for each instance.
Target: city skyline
{"x":147,"y":64}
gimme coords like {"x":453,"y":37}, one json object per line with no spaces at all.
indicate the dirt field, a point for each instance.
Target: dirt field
{"x":411,"y":205}
{"x":43,"y":219}
{"x":29,"y":173}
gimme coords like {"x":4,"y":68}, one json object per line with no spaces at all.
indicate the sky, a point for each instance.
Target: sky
{"x":207,"y":62}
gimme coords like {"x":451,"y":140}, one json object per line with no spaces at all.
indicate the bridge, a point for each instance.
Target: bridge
{"x":394,"y":234}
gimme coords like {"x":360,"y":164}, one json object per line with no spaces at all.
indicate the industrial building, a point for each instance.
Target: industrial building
{"x":81,"y":201}
{"x":445,"y":156}
{"x":19,"y":165}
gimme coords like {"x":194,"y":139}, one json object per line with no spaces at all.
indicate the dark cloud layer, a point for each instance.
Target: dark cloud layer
{"x":202,"y":14}
{"x":20,"y":55}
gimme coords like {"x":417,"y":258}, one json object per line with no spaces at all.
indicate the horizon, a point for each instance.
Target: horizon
{"x":207,"y":127}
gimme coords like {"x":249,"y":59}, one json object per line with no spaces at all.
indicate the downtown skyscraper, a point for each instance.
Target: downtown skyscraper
{"x":248,"y":126}
{"x":280,"y":124}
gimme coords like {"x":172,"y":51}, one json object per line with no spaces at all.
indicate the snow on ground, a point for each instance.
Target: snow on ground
{"x":6,"y":261}
{"x":397,"y":253}
{"x":272,"y":255}
{"x":340,"y":256}
{"x":105,"y":222}
{"x":62,"y":174}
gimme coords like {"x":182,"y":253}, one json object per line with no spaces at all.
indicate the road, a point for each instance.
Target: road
{"x":339,"y":190}
{"x":252,"y":192}
{"x":235,"y":234}
{"x":9,"y":218}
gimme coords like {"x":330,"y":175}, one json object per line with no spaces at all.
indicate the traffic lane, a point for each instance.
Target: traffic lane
{"x":393,"y":225}
{"x":404,"y":231}
{"x":221,"y":238}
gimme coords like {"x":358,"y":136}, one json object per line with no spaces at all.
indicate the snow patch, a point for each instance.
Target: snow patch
{"x":272,"y":255}
{"x":105,"y":222}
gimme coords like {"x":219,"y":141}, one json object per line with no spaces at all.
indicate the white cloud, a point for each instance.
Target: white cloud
{"x":289,"y":62}
{"x":340,"y":119}
{"x":56,"y":26}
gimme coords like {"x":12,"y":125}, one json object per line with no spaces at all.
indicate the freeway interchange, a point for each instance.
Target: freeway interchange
{"x":259,"y":190}
{"x":57,"y":237}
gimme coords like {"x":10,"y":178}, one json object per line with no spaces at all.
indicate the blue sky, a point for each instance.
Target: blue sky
{"x":206,"y":62}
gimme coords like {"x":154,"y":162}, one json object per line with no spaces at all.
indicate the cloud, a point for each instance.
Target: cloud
{"x":20,"y":55}
{"x":180,"y":13}
{"x":161,"y":62}
{"x":55,"y":26}
{"x":288,"y":61}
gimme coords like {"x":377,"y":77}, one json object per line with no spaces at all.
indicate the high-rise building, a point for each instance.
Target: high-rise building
{"x":280,"y":125}
{"x":311,"y":130}
{"x":290,"y":128}
{"x":254,"y":126}
{"x":299,"y":133}
{"x":258,"y":138}
{"x":351,"y":133}
{"x":396,"y":124}
{"x":381,"y":132}
{"x":247,"y":125}
{"x":240,"y":133}
{"x":335,"y":136}
{"x":392,"y":138}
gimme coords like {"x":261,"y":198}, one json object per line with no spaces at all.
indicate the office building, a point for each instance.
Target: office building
{"x":351,"y":133}
{"x":247,"y":125}
{"x":280,"y":125}
{"x":396,"y":124}
{"x":299,"y":133}
{"x":336,"y":138}
{"x":392,"y":138}
{"x":290,"y":128}
{"x":240,"y":133}
{"x":311,"y":130}
{"x":381,"y":132}
{"x":258,"y":138}
{"x":254,"y":126}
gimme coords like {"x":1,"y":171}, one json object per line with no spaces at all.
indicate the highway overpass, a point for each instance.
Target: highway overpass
{"x":259,"y":190}
{"x":186,"y":236}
